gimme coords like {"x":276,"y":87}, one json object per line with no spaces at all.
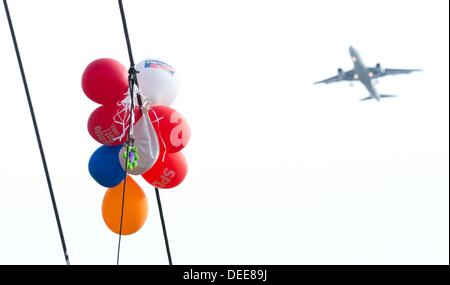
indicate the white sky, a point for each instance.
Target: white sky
{"x":281,"y":171}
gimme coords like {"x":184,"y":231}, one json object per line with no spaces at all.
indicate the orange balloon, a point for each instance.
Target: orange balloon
{"x":135,"y":208}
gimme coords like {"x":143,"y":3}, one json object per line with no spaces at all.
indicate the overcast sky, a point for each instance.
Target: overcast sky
{"x":281,"y":171}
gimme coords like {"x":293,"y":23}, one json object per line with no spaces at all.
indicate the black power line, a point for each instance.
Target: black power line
{"x":36,"y":130}
{"x":163,"y":225}
{"x":133,"y":80}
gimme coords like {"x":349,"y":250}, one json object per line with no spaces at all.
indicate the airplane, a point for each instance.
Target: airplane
{"x":365,"y":75}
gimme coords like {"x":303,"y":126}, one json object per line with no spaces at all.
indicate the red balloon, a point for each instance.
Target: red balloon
{"x":168,"y":173}
{"x":171,"y":127}
{"x":101,"y":125}
{"x":105,"y":81}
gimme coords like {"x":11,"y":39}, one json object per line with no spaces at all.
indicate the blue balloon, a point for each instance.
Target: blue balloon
{"x":104,"y":166}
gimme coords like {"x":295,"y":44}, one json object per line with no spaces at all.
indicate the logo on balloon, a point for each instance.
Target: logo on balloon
{"x":165,"y":178}
{"x":178,"y":137}
{"x":152,"y":63}
{"x":106,"y":135}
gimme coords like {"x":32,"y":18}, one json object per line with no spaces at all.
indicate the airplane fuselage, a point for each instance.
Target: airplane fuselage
{"x":362,"y":74}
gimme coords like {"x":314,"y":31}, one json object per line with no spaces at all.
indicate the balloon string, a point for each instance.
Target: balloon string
{"x":123,"y":114}
{"x":121,"y":118}
{"x":133,"y":71}
{"x":38,"y":137}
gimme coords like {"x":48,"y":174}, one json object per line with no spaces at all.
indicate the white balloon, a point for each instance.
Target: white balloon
{"x":146,"y":142}
{"x":157,"y":81}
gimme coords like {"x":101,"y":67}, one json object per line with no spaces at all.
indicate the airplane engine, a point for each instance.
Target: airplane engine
{"x":341,"y":74}
{"x":379,"y":68}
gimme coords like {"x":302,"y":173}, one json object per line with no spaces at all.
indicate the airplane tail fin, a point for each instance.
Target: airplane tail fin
{"x":381,"y":96}
{"x":367,"y":98}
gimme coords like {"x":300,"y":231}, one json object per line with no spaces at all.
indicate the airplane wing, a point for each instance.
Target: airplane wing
{"x":342,"y":76}
{"x":377,"y":72}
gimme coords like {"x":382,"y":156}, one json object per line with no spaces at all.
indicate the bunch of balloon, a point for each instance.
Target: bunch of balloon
{"x":138,"y":139}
